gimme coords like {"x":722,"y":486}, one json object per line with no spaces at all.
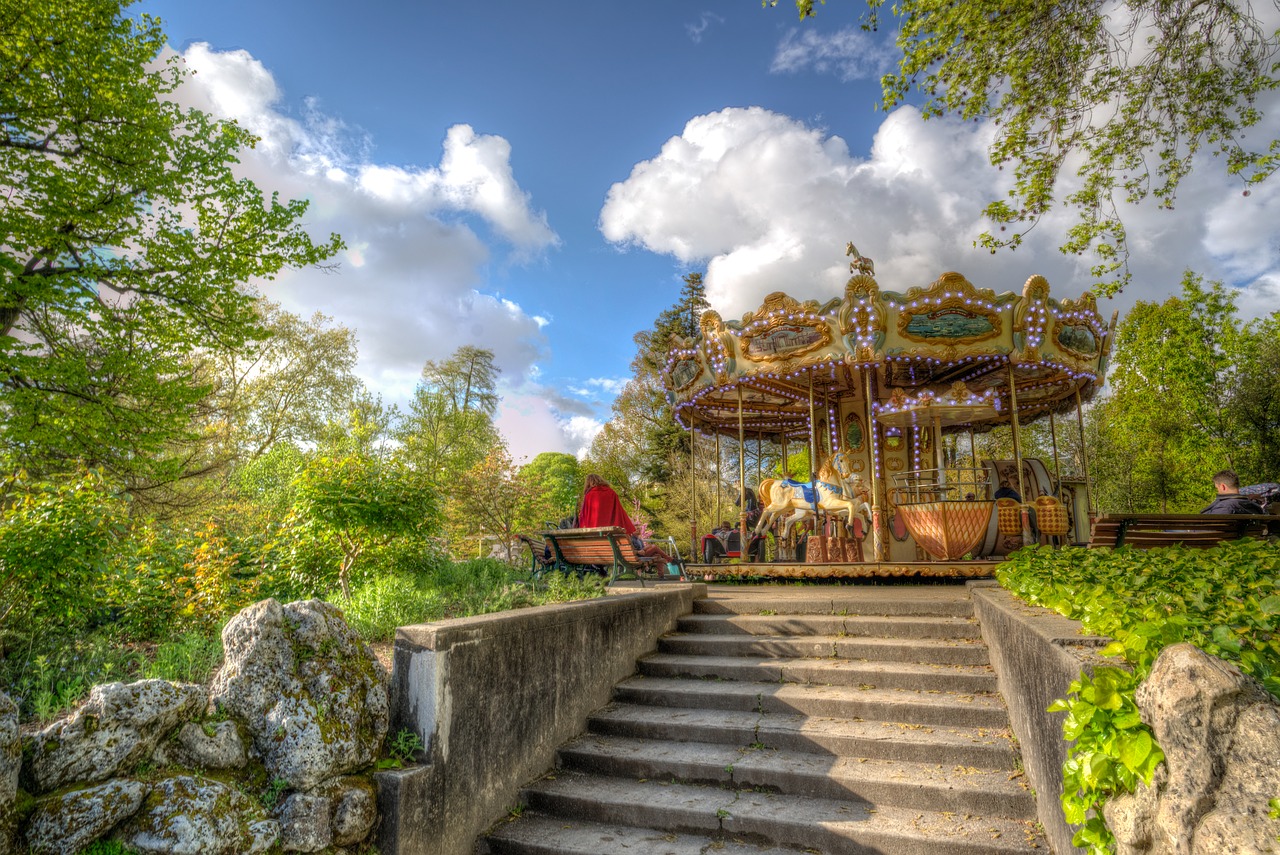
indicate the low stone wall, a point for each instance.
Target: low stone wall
{"x":492,"y":697}
{"x":1036,"y":654}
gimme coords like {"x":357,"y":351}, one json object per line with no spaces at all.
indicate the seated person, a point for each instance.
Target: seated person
{"x":1007,"y":491}
{"x":602,"y":507}
{"x":1229,"y":500}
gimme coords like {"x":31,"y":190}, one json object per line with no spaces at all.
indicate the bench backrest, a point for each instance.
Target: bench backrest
{"x":1145,"y":531}
{"x":602,"y":546}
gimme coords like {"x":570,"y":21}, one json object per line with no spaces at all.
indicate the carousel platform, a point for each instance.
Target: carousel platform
{"x":864,"y":570}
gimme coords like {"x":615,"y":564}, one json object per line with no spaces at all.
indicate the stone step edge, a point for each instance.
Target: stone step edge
{"x":749,"y":814}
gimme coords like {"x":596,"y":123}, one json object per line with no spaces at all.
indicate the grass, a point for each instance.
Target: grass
{"x":52,"y":675}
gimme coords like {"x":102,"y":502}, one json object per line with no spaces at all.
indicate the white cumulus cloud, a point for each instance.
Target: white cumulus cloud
{"x":768,"y":203}
{"x":411,"y":279}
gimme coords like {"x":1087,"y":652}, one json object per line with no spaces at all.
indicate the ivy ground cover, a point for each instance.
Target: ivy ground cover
{"x":1223,"y":600}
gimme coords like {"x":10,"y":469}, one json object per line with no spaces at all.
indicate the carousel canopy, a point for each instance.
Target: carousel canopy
{"x":949,"y":353}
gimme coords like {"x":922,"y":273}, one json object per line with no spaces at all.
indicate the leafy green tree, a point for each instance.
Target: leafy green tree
{"x":1165,"y":429}
{"x":554,"y":480}
{"x":55,"y":540}
{"x":126,"y":243}
{"x":468,"y":380}
{"x":449,"y":426}
{"x":357,"y":501}
{"x":1253,"y":403}
{"x":286,"y":387}
{"x":635,"y":448}
{"x":1101,"y":104}
{"x":490,"y":501}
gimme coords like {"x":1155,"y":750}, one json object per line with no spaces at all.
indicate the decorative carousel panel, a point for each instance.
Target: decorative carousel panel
{"x":854,"y":436}
{"x":1079,"y":339}
{"x":684,"y":373}
{"x":952,"y":323}
{"x":783,"y":339}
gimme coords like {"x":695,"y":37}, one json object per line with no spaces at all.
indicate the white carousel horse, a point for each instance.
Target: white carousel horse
{"x":842,"y":499}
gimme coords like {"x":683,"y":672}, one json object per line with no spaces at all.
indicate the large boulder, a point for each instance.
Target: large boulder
{"x":311,"y":693}
{"x":10,"y":764}
{"x":1220,"y":732}
{"x":340,"y":812}
{"x":186,"y":815}
{"x":117,"y":728}
{"x":215,"y":746}
{"x":66,"y":823}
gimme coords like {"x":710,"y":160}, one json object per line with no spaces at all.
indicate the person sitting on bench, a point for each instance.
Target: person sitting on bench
{"x":1229,"y":500}
{"x":602,"y":507}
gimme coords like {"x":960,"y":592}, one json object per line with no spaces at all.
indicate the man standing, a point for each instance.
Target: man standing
{"x":1229,"y":500}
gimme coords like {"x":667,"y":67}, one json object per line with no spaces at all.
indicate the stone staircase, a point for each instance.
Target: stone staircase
{"x":854,"y":720}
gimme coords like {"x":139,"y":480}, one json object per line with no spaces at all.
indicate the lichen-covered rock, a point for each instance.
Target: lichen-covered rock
{"x":221,"y":749}
{"x":1239,"y":821}
{"x":266,"y":833}
{"x":311,"y":693}
{"x":1220,"y":732}
{"x":193,"y":816}
{"x":355,"y":811}
{"x":118,"y":727}
{"x":10,"y":763}
{"x":65,"y":824}
{"x":304,"y":823}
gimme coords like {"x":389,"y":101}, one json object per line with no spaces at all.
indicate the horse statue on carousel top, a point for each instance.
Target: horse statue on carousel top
{"x":837,"y":491}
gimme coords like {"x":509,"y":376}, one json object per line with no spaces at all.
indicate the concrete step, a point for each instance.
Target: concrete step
{"x":830,"y":826}
{"x":936,"y":651}
{"x":538,"y":834}
{"x":858,"y":626}
{"x":940,"y":601}
{"x":838,"y":672}
{"x":964,"y":746}
{"x":924,"y":786}
{"x":896,"y":705}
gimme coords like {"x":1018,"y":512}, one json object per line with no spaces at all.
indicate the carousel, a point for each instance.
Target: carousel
{"x":883,"y":388}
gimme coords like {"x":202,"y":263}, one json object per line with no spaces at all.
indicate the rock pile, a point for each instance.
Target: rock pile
{"x":275,"y":754}
{"x":1220,"y":732}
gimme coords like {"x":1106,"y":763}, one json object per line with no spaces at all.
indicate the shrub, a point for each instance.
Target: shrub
{"x":54,"y":540}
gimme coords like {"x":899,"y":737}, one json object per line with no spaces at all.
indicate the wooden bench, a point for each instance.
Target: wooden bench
{"x":1199,"y":531}
{"x":577,"y":548}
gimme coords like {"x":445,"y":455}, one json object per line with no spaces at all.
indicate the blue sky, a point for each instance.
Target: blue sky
{"x":536,"y":177}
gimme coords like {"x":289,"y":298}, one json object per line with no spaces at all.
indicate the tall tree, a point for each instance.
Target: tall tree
{"x":467,"y":380}
{"x":126,"y":241}
{"x":555,"y":481}
{"x":1253,"y":403}
{"x":1165,"y":428}
{"x":1101,"y":103}
{"x":449,"y":426}
{"x":286,"y":387}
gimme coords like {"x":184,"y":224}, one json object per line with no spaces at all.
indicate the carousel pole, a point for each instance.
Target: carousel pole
{"x":1017,"y":454}
{"x":973,"y":462}
{"x":877,"y":523}
{"x":742,"y":480}
{"x":813,"y":479}
{"x":719,"y":483}
{"x":937,"y":452}
{"x":1084,"y":458}
{"x":1057,"y":467}
{"x":693,"y":490}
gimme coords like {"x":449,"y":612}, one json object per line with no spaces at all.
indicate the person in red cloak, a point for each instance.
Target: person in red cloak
{"x":602,"y":507}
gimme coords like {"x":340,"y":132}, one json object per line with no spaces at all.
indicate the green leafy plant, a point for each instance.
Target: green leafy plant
{"x":404,"y":746}
{"x":1221,"y":599}
{"x":1112,"y":751}
{"x":271,"y":795}
{"x":189,"y":658}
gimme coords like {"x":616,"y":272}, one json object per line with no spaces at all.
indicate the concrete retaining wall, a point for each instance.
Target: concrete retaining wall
{"x":492,"y":697}
{"x":1036,"y":653}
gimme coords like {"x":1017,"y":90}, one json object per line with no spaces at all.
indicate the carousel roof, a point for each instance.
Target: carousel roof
{"x":946,"y":351}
